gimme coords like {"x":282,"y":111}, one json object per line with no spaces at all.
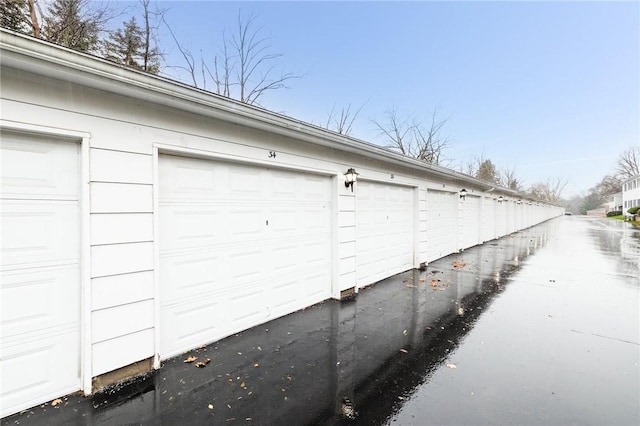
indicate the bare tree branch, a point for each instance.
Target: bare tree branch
{"x":548,"y":191}
{"x":343,"y":122}
{"x":629,"y":163}
{"x":186,"y":54}
{"x":508,"y":178}
{"x":396,"y":131}
{"x":246,"y":56}
{"x":430,"y":144}
{"x":413,"y":138}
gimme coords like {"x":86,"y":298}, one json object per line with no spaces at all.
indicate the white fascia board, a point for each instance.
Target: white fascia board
{"x":43,"y":58}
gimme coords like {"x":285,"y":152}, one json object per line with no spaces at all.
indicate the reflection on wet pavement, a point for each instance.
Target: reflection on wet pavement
{"x":494,"y":335}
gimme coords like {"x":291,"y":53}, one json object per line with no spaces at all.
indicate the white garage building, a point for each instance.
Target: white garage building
{"x":142,"y":218}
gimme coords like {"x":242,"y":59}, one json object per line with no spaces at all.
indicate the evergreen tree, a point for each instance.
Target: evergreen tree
{"x":128,"y":46}
{"x":487,"y":172}
{"x":13,"y":15}
{"x":67,"y":24}
{"x":125,"y":45}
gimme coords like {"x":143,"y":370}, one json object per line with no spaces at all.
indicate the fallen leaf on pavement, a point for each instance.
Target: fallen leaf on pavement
{"x":56,"y":402}
{"x":459,"y":264}
{"x":190,"y":359}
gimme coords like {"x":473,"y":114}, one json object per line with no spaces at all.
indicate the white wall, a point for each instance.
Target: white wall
{"x":630,"y":194}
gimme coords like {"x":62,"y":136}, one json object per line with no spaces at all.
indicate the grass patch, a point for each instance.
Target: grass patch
{"x":621,"y":217}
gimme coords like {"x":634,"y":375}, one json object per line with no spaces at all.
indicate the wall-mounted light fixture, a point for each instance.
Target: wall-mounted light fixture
{"x":500,"y":199}
{"x":463,"y":193}
{"x":350,"y":178}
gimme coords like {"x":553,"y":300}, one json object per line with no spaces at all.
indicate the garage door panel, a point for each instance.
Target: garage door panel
{"x":46,"y":291}
{"x":315,"y":187}
{"x":245,"y":182}
{"x":35,"y":167}
{"x":184,"y":228}
{"x":37,"y":371}
{"x":314,"y":218}
{"x":38,"y":233}
{"x":272,"y":227}
{"x":285,"y":294}
{"x":314,"y":288}
{"x":192,"y":324}
{"x":190,"y":276}
{"x":285,"y":185}
{"x":247,"y":222}
{"x":183,"y":179}
{"x":285,"y":259}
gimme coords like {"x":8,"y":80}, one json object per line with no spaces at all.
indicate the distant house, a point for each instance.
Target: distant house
{"x":598,"y":212}
{"x":630,"y":194}
{"x":614,"y":203}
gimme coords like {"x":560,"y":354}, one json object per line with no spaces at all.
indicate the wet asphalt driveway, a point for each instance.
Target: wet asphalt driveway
{"x":541,"y":327}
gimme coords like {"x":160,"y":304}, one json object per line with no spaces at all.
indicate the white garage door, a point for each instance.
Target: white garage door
{"x":501,"y":219}
{"x":442,"y":233}
{"x":384,"y":230}
{"x":489,"y":206}
{"x":470,"y":226}
{"x":239,"y":245}
{"x":40,"y":271}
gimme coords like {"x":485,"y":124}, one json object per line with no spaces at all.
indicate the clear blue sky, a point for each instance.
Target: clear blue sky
{"x":550,"y":88}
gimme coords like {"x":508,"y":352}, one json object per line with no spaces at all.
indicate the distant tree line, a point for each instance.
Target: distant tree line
{"x":83,"y":25}
{"x":627,"y":166}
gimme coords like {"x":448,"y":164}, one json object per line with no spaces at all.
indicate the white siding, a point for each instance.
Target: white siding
{"x":346,"y":240}
{"x":122,"y":263}
{"x":121,"y":198}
